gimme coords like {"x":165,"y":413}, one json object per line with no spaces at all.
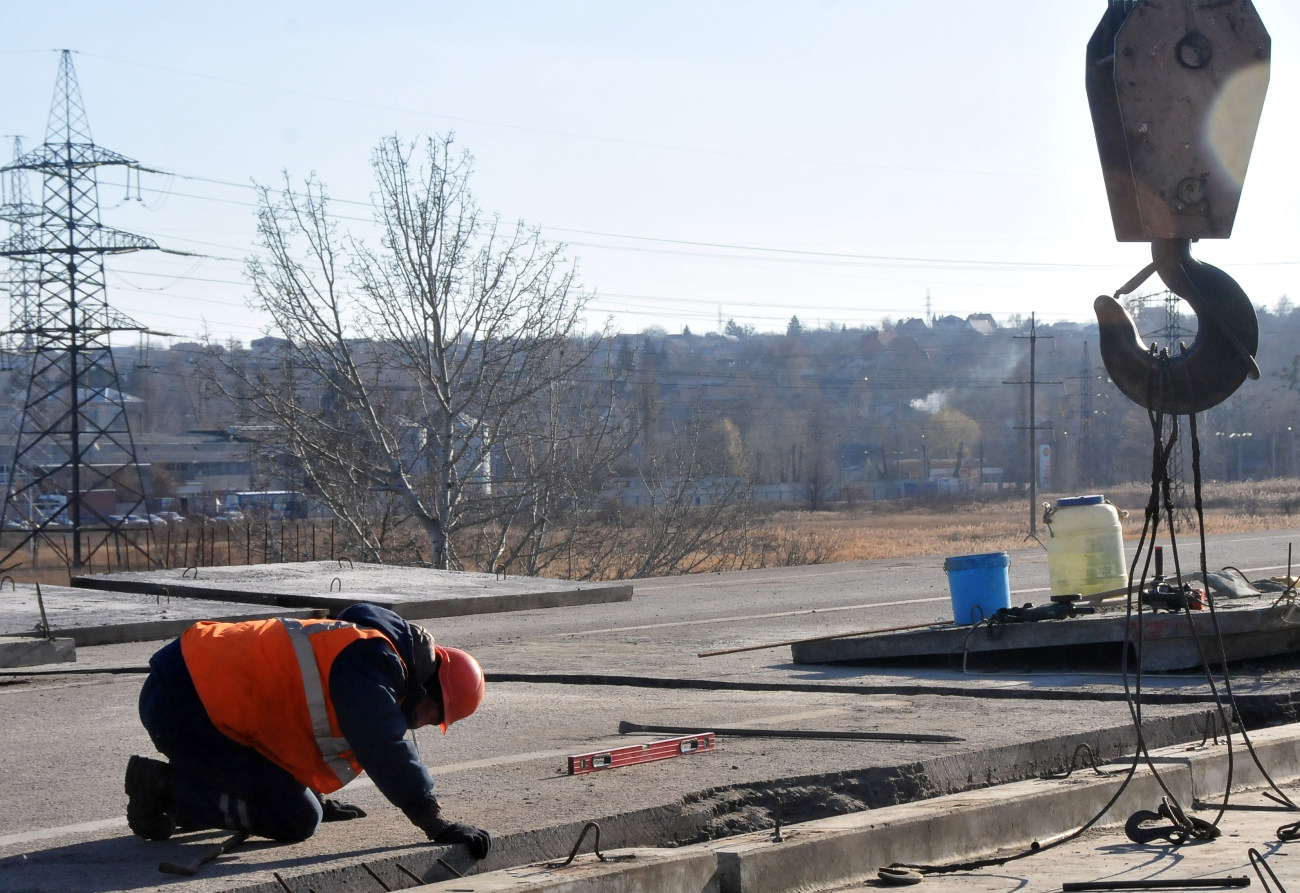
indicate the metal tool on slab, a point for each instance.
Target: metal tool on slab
{"x":1195,"y":883}
{"x":190,"y":867}
{"x":625,"y":728}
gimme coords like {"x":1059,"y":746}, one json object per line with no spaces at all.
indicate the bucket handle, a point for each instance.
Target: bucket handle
{"x":1049,"y":511}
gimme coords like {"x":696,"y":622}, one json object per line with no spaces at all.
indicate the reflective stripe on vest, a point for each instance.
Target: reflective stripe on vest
{"x":331,"y":747}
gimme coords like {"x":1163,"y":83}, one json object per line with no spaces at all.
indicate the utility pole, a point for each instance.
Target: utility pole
{"x":74,"y":436}
{"x":1032,"y":427}
{"x":1084,"y":451}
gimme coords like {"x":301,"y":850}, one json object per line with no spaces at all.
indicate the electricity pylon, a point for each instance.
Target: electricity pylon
{"x":17,"y":208}
{"x":74,"y":437}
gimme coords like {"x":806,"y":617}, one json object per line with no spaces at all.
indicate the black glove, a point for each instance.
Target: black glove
{"x":426,"y":816}
{"x":478,"y":840}
{"x":338,"y":811}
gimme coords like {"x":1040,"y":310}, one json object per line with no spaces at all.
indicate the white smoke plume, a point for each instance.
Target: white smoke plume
{"x":932,"y":403}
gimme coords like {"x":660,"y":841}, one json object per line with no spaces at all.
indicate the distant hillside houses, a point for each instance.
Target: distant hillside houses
{"x":809,"y":416}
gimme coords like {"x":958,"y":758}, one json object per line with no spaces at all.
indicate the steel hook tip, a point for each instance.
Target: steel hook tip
{"x":1221,"y":357}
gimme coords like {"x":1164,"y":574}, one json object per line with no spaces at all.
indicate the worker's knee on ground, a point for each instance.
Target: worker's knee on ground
{"x":156,"y":712}
{"x":293,"y":833}
{"x":297,"y":820}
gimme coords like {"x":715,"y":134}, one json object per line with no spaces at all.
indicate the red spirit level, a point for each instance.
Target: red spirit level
{"x":640,"y":753}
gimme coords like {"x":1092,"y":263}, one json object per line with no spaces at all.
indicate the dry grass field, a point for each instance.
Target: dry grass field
{"x":939,"y":527}
{"x":966,"y":526}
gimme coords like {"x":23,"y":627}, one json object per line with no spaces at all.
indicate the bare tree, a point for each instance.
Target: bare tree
{"x":818,"y":472}
{"x":558,"y":451}
{"x":408,"y":364}
{"x":695,"y":513}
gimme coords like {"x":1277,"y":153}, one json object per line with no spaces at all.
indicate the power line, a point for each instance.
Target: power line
{"x":1018,"y":172}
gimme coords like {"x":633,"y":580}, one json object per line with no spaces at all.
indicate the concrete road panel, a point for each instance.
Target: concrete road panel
{"x":415,"y":593}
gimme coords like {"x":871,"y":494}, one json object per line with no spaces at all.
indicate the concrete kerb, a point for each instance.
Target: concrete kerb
{"x":625,"y":871}
{"x":1277,"y":748}
{"x":35,"y":651}
{"x":852,"y":848}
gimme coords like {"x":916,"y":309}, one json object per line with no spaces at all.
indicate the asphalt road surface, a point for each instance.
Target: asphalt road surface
{"x":577,"y":673}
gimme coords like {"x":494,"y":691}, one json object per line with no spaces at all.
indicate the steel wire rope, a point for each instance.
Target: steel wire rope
{"x":1130,"y":773}
{"x":1132,"y":694}
{"x":1227,"y":676}
{"x":1225,"y":717}
{"x":1161,"y":479}
{"x":1035,"y":847}
{"x":1162,"y":487}
{"x":1162,"y":492}
{"x":1146,"y":542}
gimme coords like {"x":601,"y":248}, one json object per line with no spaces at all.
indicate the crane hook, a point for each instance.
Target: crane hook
{"x":1221,"y":357}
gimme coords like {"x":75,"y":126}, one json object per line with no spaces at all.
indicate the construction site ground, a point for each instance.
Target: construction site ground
{"x":562,"y":678}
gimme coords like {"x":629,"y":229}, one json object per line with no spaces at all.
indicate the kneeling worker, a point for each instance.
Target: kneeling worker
{"x":262,"y":718}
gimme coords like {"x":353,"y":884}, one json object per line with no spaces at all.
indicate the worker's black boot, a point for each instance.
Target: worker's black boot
{"x":148,"y":789}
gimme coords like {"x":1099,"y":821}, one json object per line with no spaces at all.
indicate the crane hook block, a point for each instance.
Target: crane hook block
{"x":1221,"y":357}
{"x":1176,"y":88}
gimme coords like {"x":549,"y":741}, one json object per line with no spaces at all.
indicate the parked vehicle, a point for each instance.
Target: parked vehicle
{"x":271,"y":505}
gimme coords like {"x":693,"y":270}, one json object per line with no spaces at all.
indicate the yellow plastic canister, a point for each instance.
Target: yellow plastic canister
{"x":1085,"y":546}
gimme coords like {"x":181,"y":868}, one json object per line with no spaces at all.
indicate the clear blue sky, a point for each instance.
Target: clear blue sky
{"x":754,"y":160}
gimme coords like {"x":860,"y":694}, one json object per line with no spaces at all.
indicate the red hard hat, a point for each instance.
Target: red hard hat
{"x":461,"y":680}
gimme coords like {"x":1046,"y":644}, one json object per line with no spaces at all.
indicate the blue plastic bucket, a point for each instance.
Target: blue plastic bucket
{"x":980,"y":584}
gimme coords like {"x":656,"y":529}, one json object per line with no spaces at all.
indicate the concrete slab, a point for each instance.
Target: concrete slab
{"x":103,"y":618}
{"x":415,"y":593}
{"x":506,"y":772}
{"x":850,"y":849}
{"x":574,"y":675}
{"x":1251,"y":628}
{"x":33,"y":651}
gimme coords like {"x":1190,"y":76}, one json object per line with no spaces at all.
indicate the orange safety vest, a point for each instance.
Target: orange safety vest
{"x":265,"y":683}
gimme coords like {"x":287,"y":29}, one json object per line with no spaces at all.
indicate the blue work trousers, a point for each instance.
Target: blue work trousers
{"x":217,"y":782}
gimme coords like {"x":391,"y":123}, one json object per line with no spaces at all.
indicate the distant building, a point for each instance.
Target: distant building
{"x":951,"y":325}
{"x":198,"y":463}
